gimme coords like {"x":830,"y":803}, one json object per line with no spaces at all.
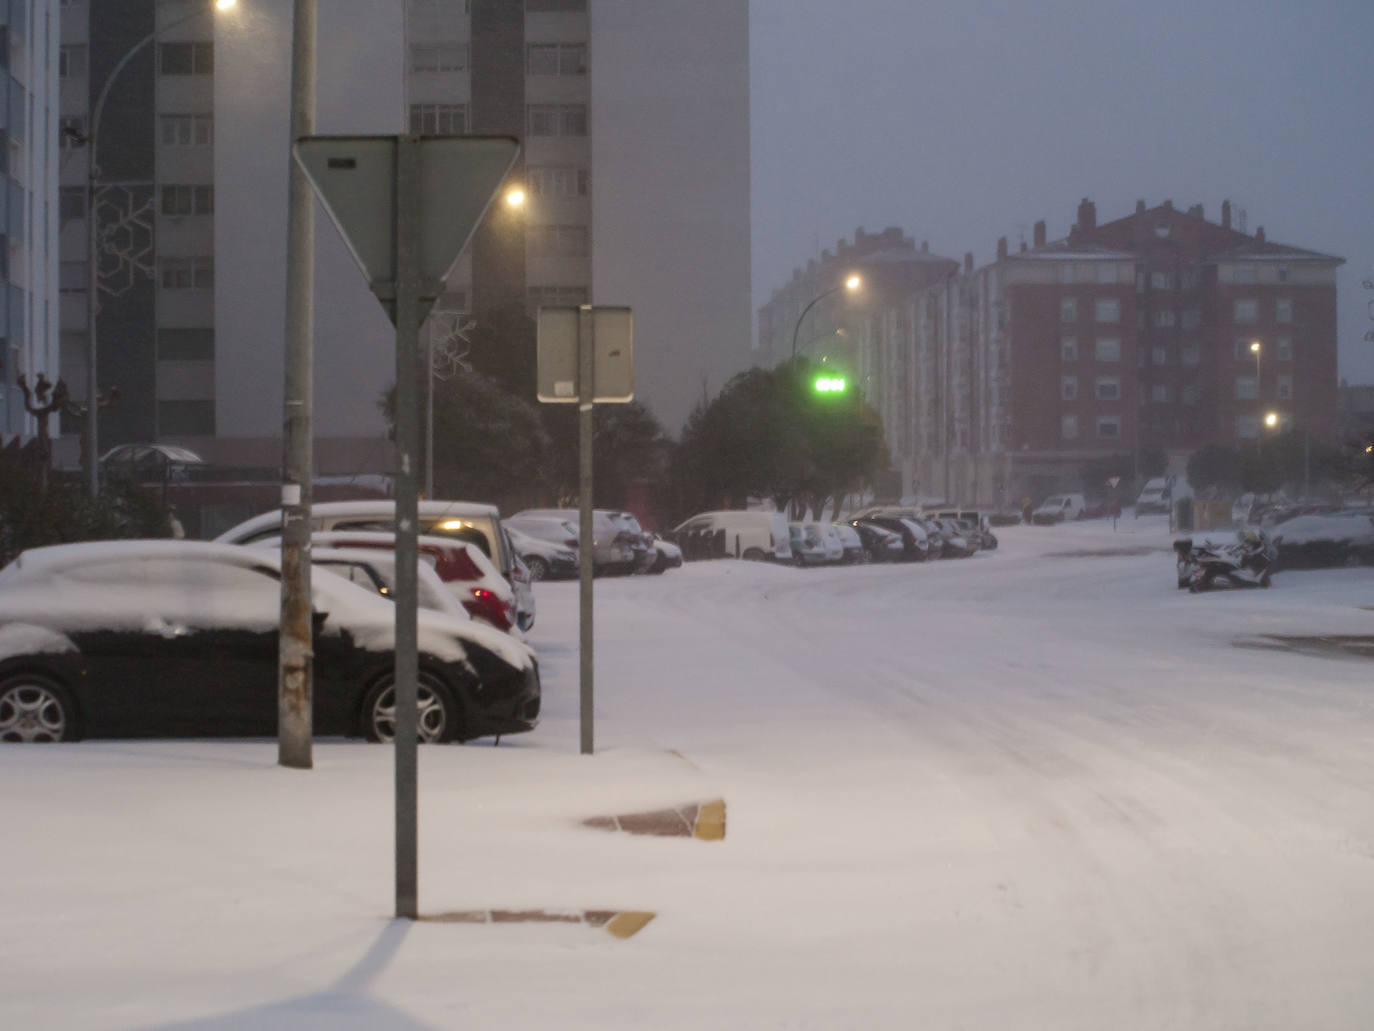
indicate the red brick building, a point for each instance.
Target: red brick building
{"x":1158,"y":330}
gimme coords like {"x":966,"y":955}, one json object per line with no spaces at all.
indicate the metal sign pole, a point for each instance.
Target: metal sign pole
{"x":408,"y":284}
{"x":586,"y":391}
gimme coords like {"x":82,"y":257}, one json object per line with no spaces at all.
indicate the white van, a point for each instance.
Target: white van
{"x":1155,"y":496}
{"x":1058,"y":508}
{"x":735,"y":534}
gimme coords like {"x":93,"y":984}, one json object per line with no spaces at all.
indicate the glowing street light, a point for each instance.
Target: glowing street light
{"x":515,"y":197}
{"x":1271,"y":419}
{"x":851,"y":283}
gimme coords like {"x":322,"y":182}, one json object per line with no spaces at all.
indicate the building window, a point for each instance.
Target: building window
{"x":188,"y":273}
{"x":1164,"y":318}
{"x":1108,"y":388}
{"x":1191,"y":394}
{"x":1247,"y":427}
{"x":1283,"y":349}
{"x":569,"y":241}
{"x":1068,"y":309}
{"x":186,"y":418}
{"x":556,"y":59}
{"x":1108,"y":273}
{"x":1108,"y":427}
{"x":72,"y":277}
{"x":1068,"y":427}
{"x":1160,"y":355}
{"x":186,"y":58}
{"x":1247,"y":388}
{"x":1066,"y":273}
{"x":558,"y":119}
{"x":1189,"y":353}
{"x":1107,"y":309}
{"x":1068,"y":388}
{"x":71,"y":204}
{"x":188,"y":130}
{"x":559,"y":181}
{"x":438,"y":119}
{"x":439,"y":57}
{"x":1161,"y":281}
{"x":1246,"y":312}
{"x":1283,"y":310}
{"x":1283,"y":273}
{"x":1243,"y":274}
{"x":1107,"y":349}
{"x":1162,"y":394}
{"x":552,"y":296}
{"x":1285,"y":388}
{"x":188,"y":200}
{"x":186,"y":345}
{"x":71,"y":61}
{"x":1192,"y":318}
{"x":1068,"y":349}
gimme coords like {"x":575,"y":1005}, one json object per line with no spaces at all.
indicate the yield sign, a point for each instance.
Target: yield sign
{"x":355,"y":179}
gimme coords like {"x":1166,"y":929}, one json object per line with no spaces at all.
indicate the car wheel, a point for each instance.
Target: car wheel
{"x":537,"y":566}
{"x":437,"y":712}
{"x":753,"y":554}
{"x":35,"y":708}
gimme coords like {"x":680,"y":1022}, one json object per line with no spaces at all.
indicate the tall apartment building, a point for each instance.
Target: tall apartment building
{"x":138,"y":99}
{"x":31,"y":68}
{"x":1160,"y":330}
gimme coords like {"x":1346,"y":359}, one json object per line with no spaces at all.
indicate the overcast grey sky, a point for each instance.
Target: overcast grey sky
{"x":962,"y":122}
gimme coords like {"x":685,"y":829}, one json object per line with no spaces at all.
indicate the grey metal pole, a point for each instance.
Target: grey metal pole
{"x":586,"y":391}
{"x":295,"y":666}
{"x":408,"y":279}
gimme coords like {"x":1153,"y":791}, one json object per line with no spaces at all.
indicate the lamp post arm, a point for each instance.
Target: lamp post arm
{"x":797,"y":328}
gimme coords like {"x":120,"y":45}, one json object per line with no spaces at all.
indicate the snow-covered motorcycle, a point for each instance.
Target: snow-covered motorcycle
{"x":1207,"y":566}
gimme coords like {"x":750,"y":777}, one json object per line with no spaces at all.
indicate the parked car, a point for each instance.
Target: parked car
{"x":808,"y":547}
{"x":171,"y":638}
{"x":613,"y":552}
{"x":1155,"y":496}
{"x":1331,"y":539}
{"x":915,"y":542}
{"x":150,"y":463}
{"x":953,"y":543}
{"x":545,"y":559}
{"x":463,"y":568}
{"x":470,"y":521}
{"x":830,"y":538}
{"x":737,"y":534}
{"x":851,"y":542}
{"x":880,"y":544}
{"x":646,"y":555}
{"x":669,"y":554}
{"x":375,"y":570}
{"x":1058,"y":508}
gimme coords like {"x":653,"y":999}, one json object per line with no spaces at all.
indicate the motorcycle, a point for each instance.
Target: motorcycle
{"x":1208,"y":566}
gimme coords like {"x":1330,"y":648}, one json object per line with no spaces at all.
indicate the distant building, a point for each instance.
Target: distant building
{"x":35,"y":68}
{"x":1160,"y":330}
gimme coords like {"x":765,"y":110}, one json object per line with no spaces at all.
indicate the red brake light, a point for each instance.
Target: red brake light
{"x":486,"y":605}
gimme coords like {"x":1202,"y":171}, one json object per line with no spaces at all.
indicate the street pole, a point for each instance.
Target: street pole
{"x":586,"y":391}
{"x":295,"y":670}
{"x":408,"y":284}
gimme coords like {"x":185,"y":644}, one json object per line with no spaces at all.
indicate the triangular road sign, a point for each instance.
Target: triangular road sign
{"x":355,"y":179}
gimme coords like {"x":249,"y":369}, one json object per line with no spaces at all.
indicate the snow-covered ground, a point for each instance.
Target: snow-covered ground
{"x":1039,"y":788}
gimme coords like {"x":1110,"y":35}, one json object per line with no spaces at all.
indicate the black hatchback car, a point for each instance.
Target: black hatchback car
{"x":179,"y":638}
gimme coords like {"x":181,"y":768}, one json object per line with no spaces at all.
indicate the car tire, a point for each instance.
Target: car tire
{"x":537,"y":566}
{"x":754,"y":554}
{"x":36,"y":709}
{"x":439,"y":715}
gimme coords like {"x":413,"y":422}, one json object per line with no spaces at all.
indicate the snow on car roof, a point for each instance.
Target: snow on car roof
{"x":370,"y":507}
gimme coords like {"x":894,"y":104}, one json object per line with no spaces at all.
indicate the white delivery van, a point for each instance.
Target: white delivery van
{"x":1155,"y":496}
{"x":1058,"y":508}
{"x":735,"y":534}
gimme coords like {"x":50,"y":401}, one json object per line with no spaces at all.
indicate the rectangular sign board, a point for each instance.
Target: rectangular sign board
{"x":612,"y":330}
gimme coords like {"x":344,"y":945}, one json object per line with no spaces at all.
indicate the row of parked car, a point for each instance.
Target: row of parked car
{"x":883,"y":533}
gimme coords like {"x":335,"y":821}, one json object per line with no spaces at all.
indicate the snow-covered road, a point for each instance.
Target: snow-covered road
{"x":1039,"y":788}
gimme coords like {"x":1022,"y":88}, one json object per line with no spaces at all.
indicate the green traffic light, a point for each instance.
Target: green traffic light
{"x":830,"y":385}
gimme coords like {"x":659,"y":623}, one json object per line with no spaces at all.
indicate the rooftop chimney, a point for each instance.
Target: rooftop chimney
{"x":1168,"y":205}
{"x":968,"y":259}
{"x":1140,"y":207}
{"x":1087,"y":216}
{"x":1195,"y":211}
{"x":1001,"y":247}
{"x":1023,"y":245}
{"x":925,"y":246}
{"x":1040,"y":233}
{"x":1226,"y":214}
{"x":1259,"y":234}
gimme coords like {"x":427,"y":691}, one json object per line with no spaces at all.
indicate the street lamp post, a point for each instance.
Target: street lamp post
{"x":93,"y":243}
{"x":1259,"y":401}
{"x":851,"y":284}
